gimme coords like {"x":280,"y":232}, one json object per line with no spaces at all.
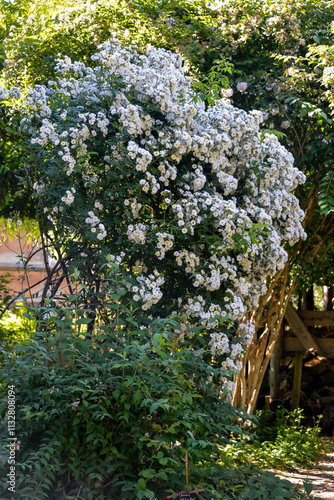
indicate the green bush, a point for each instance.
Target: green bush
{"x":246,"y":483}
{"x":289,"y":442}
{"x":117,"y":424}
{"x":115,"y":418}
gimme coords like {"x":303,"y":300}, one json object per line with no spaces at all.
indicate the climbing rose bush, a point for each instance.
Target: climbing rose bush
{"x":128,"y":168}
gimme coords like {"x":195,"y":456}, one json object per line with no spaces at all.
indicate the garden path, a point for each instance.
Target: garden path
{"x":322,"y":477}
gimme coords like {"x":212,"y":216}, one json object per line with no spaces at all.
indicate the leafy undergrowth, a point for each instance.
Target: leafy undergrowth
{"x":278,"y":442}
{"x":116,"y":417}
{"x":248,"y":482}
{"x":88,"y":433}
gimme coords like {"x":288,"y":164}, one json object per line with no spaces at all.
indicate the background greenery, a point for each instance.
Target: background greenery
{"x":284,"y":67}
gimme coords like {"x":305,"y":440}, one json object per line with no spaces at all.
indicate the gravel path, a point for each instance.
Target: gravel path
{"x":322,"y":477}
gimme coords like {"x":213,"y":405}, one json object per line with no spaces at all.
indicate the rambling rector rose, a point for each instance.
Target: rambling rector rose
{"x":191,"y":202}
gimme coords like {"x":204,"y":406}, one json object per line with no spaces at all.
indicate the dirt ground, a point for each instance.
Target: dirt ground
{"x":322,"y":477}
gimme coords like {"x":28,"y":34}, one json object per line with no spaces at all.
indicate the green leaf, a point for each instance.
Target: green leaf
{"x":253,"y":494}
{"x":104,"y":451}
{"x":84,"y":321}
{"x":156,"y":340}
{"x":308,"y":487}
{"x":326,"y":193}
{"x":137,"y":397}
{"x":142,"y":483}
{"x":148,"y":473}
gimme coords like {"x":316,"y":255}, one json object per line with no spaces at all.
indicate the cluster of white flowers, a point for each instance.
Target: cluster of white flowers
{"x":118,"y":259}
{"x":285,"y":124}
{"x":242,"y":86}
{"x":149,"y":184}
{"x":149,"y":291}
{"x":142,"y":156}
{"x":137,"y":233}
{"x":96,"y":225}
{"x":165,"y":242}
{"x":102,"y":232}
{"x":69,"y":198}
{"x":38,"y":187}
{"x":246,"y":332}
{"x":49,"y":315}
{"x":139,"y":268}
{"x":93,"y":220}
{"x":229,"y":206}
{"x":188,"y":258}
{"x":167,"y":172}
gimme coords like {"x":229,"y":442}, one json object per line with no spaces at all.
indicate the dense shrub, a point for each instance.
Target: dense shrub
{"x":113,"y":418}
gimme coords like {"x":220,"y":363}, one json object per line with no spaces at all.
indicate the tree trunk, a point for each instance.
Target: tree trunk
{"x":255,"y":362}
{"x":269,"y":315}
{"x":275,"y":365}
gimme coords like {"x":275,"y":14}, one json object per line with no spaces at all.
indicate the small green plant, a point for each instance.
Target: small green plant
{"x":248,"y":483}
{"x":5,"y":292}
{"x":208,"y":88}
{"x":291,"y":442}
{"x":15,"y":328}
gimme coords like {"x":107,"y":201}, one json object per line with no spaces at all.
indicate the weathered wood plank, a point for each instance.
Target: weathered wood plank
{"x":301,"y":331}
{"x":317,"y":318}
{"x":297,"y":380}
{"x":293,"y":344}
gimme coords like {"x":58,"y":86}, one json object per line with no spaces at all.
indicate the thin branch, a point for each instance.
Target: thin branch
{"x":49,"y":279}
{"x":56,"y":287}
{"x":319,"y":245}
{"x":34,"y":253}
{"x":301,"y":152}
{"x":81,"y":488}
{"x":44,"y":246}
{"x":19,"y":295}
{"x":307,"y":135}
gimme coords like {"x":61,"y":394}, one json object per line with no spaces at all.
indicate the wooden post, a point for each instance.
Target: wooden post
{"x":308,"y":299}
{"x":297,"y":380}
{"x":267,"y":401}
{"x":328,"y":298}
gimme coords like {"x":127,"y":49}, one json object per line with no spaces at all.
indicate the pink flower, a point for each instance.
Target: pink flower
{"x":242,"y":86}
{"x":226,"y":93}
